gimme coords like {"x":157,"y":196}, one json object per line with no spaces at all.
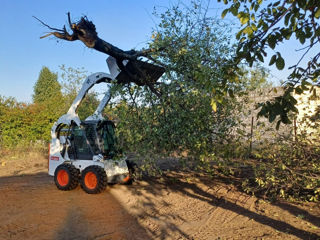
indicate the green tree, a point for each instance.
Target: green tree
{"x":254,"y":78}
{"x":47,"y":87}
{"x":7,"y":106}
{"x":48,"y":105}
{"x":71,"y":82}
{"x":194,"y":112}
{"x":22,"y":124}
{"x":267,"y":24}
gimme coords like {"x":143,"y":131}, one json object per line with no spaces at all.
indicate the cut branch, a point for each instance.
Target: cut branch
{"x":51,"y":28}
{"x":85,"y":31}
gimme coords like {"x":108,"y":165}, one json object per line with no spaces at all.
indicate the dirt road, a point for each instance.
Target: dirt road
{"x":176,"y":206}
{"x":32,"y":208}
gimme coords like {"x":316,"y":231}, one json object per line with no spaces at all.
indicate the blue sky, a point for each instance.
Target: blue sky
{"x":126,"y":24}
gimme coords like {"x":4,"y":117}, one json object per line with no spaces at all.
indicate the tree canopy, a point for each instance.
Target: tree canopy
{"x":267,"y":24}
{"x":47,"y":87}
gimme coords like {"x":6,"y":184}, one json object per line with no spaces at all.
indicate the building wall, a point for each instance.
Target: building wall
{"x":309,"y":107}
{"x":261,"y":130}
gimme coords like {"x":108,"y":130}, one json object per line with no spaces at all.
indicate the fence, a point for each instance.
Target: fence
{"x":261,"y":130}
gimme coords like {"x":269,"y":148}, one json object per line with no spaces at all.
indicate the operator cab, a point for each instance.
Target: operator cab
{"x":91,"y":138}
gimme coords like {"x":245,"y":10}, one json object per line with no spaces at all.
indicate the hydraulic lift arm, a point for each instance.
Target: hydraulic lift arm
{"x":97,"y":115}
{"x":90,"y":81}
{"x":71,"y":117}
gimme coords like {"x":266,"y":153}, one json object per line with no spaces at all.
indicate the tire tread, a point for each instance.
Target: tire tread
{"x":73,"y":175}
{"x":101,"y":177}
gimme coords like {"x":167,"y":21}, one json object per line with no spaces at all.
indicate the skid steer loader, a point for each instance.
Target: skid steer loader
{"x":86,"y":151}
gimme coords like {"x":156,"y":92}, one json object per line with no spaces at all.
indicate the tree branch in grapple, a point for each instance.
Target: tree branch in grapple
{"x":85,"y":31}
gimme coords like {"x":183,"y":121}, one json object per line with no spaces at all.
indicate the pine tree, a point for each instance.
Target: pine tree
{"x":48,"y":104}
{"x":47,"y":88}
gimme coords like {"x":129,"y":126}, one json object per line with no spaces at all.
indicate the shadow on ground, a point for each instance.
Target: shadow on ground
{"x":32,"y":208}
{"x":177,"y":184}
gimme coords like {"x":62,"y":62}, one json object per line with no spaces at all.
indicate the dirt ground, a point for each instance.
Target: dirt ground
{"x":179,"y":205}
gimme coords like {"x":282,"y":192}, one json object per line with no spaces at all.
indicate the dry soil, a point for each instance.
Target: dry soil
{"x":179,"y":205}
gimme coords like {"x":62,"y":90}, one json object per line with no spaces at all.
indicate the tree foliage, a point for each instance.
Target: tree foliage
{"x":48,"y":99}
{"x":28,"y":124}
{"x":24,"y":124}
{"x":194,"y":113}
{"x":267,"y":24}
{"x":71,"y":81}
{"x":194,"y":105}
{"x":255,"y":77}
{"x":196,"y":50}
{"x":47,"y":88}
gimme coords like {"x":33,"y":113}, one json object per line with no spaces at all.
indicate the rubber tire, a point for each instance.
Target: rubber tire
{"x":73,"y":175}
{"x":132,"y":167}
{"x":101,"y":179}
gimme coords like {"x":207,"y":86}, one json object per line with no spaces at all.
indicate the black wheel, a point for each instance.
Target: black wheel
{"x":66,"y":177}
{"x":93,"y":179}
{"x":132,"y":167}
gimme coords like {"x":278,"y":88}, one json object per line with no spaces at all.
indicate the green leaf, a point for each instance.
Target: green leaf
{"x":288,"y":35}
{"x":248,"y":30}
{"x":272,"y":117}
{"x":231,"y":93}
{"x":260,"y":57}
{"x":224,"y":13}
{"x":234,"y":10}
{"x":256,"y":7}
{"x":298,"y":90}
{"x":317,"y":14}
{"x":302,"y":39}
{"x":273,"y":60}
{"x":285,"y":119}
{"x":276,"y":3}
{"x":287,"y":18}
{"x":239,"y":34}
{"x":272,"y":41}
{"x":280,"y":63}
{"x":244,"y":20}
{"x":254,"y":27}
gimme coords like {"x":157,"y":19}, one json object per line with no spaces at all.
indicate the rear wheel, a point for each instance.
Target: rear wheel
{"x":66,"y":177}
{"x":93,"y":179}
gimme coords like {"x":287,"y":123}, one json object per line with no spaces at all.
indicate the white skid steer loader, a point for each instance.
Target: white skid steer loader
{"x":86,"y":151}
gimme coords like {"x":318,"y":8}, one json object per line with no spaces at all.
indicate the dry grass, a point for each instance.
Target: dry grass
{"x":23,"y":160}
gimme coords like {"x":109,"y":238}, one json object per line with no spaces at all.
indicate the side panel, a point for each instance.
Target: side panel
{"x":113,"y":169}
{"x":82,"y":164}
{"x":55,"y":158}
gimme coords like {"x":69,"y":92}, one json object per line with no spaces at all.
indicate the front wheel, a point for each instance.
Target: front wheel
{"x":66,"y":177}
{"x":93,"y":179}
